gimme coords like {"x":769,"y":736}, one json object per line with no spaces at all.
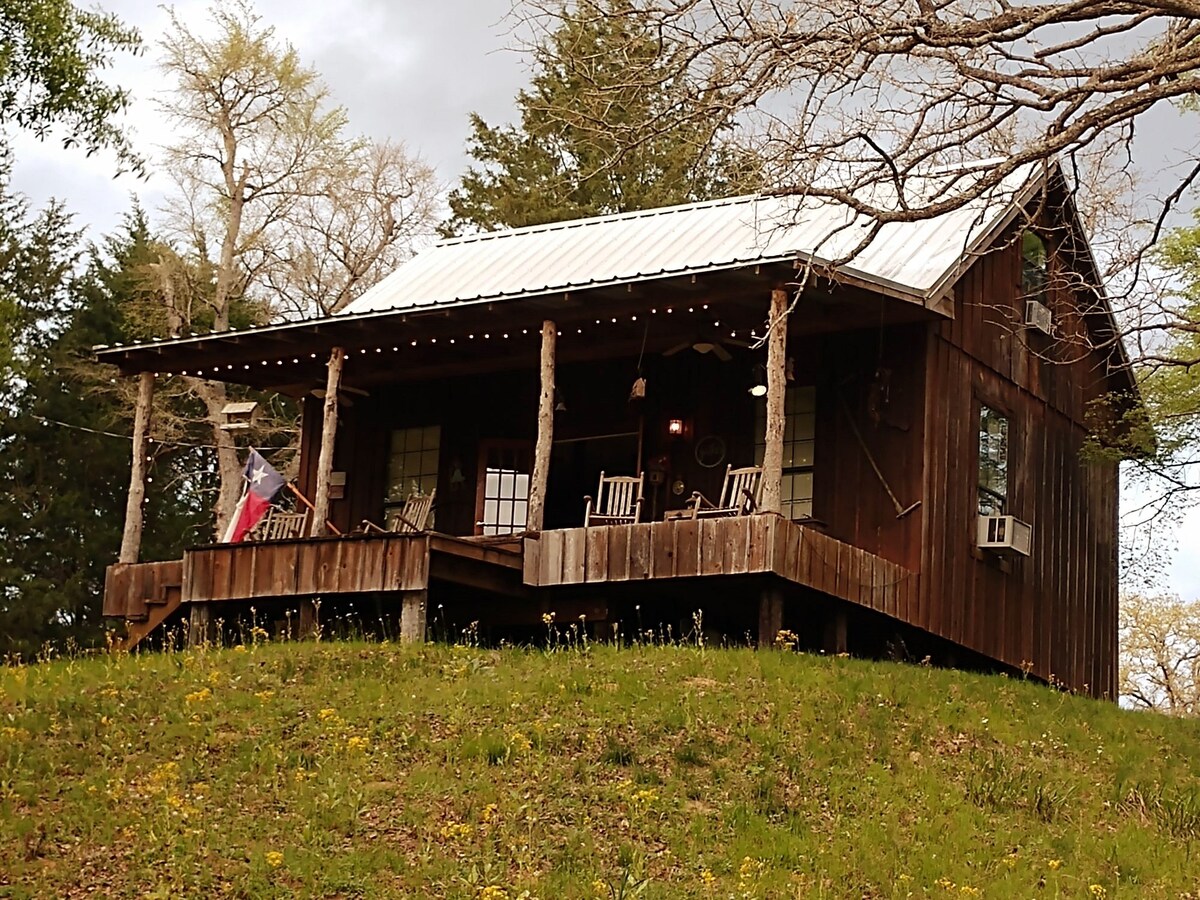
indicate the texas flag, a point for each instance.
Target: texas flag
{"x":262,"y":484}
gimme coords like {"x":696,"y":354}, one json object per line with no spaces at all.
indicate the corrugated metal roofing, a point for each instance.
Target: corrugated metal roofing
{"x":912,"y":259}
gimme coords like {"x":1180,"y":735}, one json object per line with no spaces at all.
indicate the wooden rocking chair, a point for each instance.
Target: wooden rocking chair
{"x":412,"y":518}
{"x":278,"y":525}
{"x":740,"y":495}
{"x":618,"y":501}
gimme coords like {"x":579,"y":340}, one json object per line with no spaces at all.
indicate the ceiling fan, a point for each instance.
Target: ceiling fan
{"x":706,"y":343}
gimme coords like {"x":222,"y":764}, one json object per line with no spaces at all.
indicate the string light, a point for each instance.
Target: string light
{"x":432,"y":341}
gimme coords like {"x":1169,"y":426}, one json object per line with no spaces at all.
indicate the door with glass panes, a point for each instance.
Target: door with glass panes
{"x":502,"y":499}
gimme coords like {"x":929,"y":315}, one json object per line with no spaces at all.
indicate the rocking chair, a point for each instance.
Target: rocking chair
{"x":618,"y":501}
{"x":740,"y":495}
{"x":412,"y":518}
{"x":278,"y":525}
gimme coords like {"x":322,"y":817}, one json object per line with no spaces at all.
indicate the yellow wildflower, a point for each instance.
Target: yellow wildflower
{"x":493,"y":892}
{"x":199,"y":696}
{"x":490,"y":812}
{"x":326,"y":714}
{"x":355,"y":742}
{"x":274,"y":859}
{"x":1097,"y":890}
{"x":264,"y":695}
{"x":1055,"y":864}
{"x":456,"y":831}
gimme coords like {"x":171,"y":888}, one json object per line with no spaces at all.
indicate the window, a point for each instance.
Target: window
{"x":1035,"y":272}
{"x":505,"y":490}
{"x":412,"y":464}
{"x":993,"y":462}
{"x":799,"y":441}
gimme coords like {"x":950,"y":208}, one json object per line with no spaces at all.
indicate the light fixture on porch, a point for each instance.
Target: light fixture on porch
{"x":758,"y":385}
{"x":675,"y":427}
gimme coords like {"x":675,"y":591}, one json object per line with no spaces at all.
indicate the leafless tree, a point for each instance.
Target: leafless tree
{"x":275,"y":209}
{"x":1160,"y":654}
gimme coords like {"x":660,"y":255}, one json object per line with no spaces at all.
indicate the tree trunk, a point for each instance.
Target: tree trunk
{"x":337,"y":359}
{"x":131,"y":538}
{"x":772,"y":486}
{"x":545,"y":431}
{"x":229,"y":467}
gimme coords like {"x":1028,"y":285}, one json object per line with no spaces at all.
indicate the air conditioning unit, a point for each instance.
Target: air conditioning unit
{"x":1005,"y":534}
{"x":1038,"y":315}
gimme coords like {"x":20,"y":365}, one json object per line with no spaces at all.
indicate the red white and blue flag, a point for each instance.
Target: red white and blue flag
{"x":262,"y":484}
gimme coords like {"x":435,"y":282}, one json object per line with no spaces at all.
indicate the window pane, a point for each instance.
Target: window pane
{"x":522,"y":485}
{"x":429,"y":462}
{"x":993,"y":461}
{"x":803,"y":454}
{"x":430,"y":437}
{"x":802,"y":486}
{"x":491,"y":509}
{"x":507,"y":483}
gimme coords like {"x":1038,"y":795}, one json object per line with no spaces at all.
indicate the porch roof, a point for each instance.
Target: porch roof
{"x":917,"y":262}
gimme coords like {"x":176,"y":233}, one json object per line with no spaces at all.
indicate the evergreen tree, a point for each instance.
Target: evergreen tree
{"x":592,"y":140}
{"x":62,"y":489}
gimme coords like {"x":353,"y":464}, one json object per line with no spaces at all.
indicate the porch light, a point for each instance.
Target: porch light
{"x":759,"y":390}
{"x":675,"y":426}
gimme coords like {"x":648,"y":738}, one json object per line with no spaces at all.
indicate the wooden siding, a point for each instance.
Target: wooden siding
{"x":131,"y":588}
{"x":306,"y":568}
{"x":748,"y":545}
{"x":1056,"y":611}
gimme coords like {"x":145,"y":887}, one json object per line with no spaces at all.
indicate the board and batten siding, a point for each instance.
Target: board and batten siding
{"x":1055,"y":612}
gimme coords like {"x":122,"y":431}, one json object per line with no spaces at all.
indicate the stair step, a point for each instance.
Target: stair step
{"x":155,"y":601}
{"x":137,"y":617}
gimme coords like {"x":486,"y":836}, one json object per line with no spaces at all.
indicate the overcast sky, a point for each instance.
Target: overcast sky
{"x":408,"y":70}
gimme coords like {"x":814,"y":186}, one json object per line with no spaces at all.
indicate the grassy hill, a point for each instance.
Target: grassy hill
{"x":351,"y":769}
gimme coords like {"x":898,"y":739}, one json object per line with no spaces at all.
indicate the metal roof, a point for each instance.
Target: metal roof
{"x":914,"y":260}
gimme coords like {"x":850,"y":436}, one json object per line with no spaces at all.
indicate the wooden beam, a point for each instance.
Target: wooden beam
{"x":337,"y":359}
{"x":545,"y":431}
{"x":776,"y":388}
{"x":131,"y":537}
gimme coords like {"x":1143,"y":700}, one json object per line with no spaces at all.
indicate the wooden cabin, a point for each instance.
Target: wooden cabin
{"x":917,"y":416}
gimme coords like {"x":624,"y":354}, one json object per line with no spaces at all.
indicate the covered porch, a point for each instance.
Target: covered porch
{"x":509,"y":415}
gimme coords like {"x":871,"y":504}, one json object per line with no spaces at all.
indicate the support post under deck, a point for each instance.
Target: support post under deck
{"x":770,"y":616}
{"x":199,"y":624}
{"x":413,"y":612}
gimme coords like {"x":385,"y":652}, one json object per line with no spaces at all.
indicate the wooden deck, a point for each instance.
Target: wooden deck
{"x":764,"y":544}
{"x":521,"y":574}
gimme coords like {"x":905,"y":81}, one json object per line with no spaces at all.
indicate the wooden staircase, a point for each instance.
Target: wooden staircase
{"x":158,"y":610}
{"x":144,"y":595}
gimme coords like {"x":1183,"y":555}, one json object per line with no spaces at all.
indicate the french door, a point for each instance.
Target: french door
{"x":502,"y":497}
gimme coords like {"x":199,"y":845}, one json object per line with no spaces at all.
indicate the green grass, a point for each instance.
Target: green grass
{"x":351,"y":769}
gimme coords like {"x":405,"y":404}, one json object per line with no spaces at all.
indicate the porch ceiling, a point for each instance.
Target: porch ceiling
{"x":430,"y":343}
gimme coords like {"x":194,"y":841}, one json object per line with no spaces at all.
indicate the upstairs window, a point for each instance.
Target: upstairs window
{"x":1035,"y":272}
{"x":993,"y":462}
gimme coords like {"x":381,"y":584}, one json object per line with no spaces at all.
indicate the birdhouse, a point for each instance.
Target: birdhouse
{"x":239,"y":416}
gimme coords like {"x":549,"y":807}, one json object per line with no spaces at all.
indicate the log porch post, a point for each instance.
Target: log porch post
{"x":337,"y":359}
{"x":545,"y":431}
{"x":772,"y":486}
{"x":131,"y":537}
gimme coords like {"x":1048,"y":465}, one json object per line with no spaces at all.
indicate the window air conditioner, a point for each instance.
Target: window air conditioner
{"x":1037,"y":315}
{"x":1005,"y":534}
